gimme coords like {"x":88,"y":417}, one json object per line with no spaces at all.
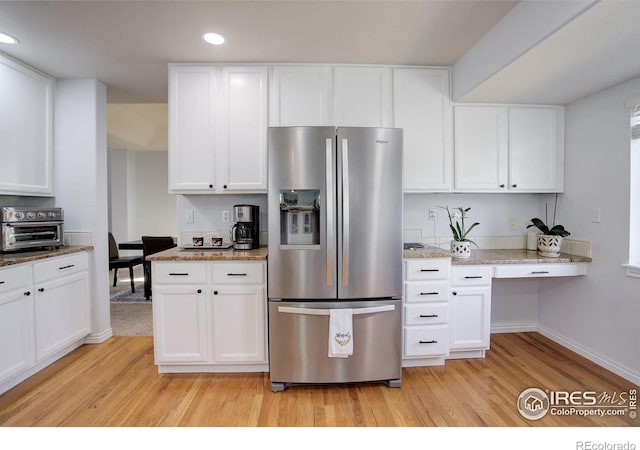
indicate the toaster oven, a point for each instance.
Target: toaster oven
{"x":25,"y":228}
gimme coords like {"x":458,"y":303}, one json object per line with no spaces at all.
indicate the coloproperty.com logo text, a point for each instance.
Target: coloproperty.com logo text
{"x":534,"y":403}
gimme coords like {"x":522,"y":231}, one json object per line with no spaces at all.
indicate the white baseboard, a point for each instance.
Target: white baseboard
{"x":513,"y":328}
{"x":99,"y":338}
{"x":624,"y":372}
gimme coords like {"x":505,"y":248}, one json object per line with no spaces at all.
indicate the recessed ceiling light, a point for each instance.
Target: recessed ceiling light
{"x":213,"y":38}
{"x":6,"y":39}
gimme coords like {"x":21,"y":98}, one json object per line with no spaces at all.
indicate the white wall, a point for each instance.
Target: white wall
{"x":598,"y":315}
{"x":140,"y":203}
{"x":80,"y":181}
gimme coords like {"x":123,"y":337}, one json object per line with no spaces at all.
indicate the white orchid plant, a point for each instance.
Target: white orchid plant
{"x":457,"y":225}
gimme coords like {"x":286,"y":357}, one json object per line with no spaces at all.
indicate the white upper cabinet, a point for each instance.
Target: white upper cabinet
{"x":301,"y":96}
{"x":362,"y":96}
{"x":422,"y":108}
{"x":217,"y":129}
{"x":509,"y":148}
{"x":26,"y":133}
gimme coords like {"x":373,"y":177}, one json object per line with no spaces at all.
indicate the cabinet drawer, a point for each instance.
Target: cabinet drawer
{"x":471,"y":276}
{"x":179,"y":273}
{"x":58,"y":267}
{"x":434,"y":291}
{"x":539,"y":270}
{"x":238,"y":273}
{"x":14,"y":278}
{"x":426,"y":314}
{"x":426,"y":341}
{"x":427,"y":269}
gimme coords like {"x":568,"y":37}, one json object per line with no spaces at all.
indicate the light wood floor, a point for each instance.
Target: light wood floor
{"x":116,"y":384}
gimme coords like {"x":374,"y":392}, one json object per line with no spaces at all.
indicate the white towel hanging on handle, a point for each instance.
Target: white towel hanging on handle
{"x":340,"y":333}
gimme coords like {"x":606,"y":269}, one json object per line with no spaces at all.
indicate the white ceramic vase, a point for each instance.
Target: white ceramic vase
{"x":460,"y":249}
{"x":549,"y":245}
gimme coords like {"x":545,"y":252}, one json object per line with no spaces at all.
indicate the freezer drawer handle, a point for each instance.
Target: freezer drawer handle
{"x":428,"y":315}
{"x":472,"y":277}
{"x":429,"y":342}
{"x":66,"y":267}
{"x":325,"y":312}
{"x":538,"y":272}
{"x":429,"y":270}
{"x":429,"y":293}
{"x":236,"y":274}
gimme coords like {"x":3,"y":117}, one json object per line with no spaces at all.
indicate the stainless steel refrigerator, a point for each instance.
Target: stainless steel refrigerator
{"x":335,"y":241}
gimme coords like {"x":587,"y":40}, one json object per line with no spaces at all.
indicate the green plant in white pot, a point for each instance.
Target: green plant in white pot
{"x":460,"y":245}
{"x":549,"y":239}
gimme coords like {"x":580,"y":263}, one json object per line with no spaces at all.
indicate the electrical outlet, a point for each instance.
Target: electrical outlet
{"x":513,"y":224}
{"x":225,"y":216}
{"x":433,"y":214}
{"x":188,"y":216}
{"x":595,"y":215}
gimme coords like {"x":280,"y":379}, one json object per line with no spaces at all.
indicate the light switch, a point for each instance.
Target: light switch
{"x":188,"y":216}
{"x":595,"y":215}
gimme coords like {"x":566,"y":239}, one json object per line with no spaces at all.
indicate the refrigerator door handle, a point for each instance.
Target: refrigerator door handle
{"x":326,"y":312}
{"x":345,"y":212}
{"x":331,"y":238}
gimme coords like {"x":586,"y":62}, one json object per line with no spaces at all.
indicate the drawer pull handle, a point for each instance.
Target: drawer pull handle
{"x":471,"y":277}
{"x":1,"y":282}
{"x":66,"y":267}
{"x":429,"y":270}
{"x":236,"y":274}
{"x":429,"y":293}
{"x":428,"y":315}
{"x":429,"y":342}
{"x":179,"y":274}
{"x":537,"y":272}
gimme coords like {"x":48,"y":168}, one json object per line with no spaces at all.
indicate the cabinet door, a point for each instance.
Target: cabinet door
{"x":180,"y":324}
{"x":239,"y":324}
{"x":192,"y":136}
{"x":16,"y":332}
{"x":26,"y":109}
{"x":536,"y":149}
{"x":242,"y":129}
{"x":481,"y":148}
{"x":421,"y":107}
{"x":301,"y":96}
{"x":362,"y":97}
{"x":470,"y":317}
{"x":61,"y":313}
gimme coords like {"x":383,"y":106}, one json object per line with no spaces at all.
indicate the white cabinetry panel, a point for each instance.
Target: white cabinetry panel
{"x":362,"y":96}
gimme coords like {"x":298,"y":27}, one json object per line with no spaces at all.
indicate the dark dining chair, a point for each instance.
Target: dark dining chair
{"x":121,"y":262}
{"x":151,"y":245}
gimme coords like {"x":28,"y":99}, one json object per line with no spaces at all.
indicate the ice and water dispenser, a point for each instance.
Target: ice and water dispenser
{"x":300,"y":217}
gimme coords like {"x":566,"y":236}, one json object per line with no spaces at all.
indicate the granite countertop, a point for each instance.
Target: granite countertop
{"x":495,"y":256}
{"x":181,"y":254}
{"x":10,"y":259}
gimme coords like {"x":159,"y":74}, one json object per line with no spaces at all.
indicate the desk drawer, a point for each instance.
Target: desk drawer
{"x":539,"y":270}
{"x":426,"y":314}
{"x":433,"y":291}
{"x":238,"y":273}
{"x":179,"y":272}
{"x":426,"y":341}
{"x":427,"y":269}
{"x":471,"y":276}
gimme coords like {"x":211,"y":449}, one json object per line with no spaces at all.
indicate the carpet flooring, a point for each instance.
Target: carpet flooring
{"x":130,"y":313}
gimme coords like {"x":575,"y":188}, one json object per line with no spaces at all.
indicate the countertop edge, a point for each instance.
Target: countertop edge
{"x":180,"y":254}
{"x":496,"y":256}
{"x":12,"y":259}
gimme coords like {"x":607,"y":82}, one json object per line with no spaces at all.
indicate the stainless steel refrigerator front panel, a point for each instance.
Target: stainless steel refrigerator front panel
{"x":302,"y":158}
{"x":298,"y":343}
{"x":369,"y":212}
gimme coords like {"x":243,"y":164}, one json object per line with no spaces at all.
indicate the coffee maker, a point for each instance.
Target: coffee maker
{"x":245,"y":233}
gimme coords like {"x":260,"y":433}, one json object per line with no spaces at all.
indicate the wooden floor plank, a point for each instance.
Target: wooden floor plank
{"x":116,"y":384}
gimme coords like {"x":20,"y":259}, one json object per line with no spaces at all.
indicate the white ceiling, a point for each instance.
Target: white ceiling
{"x":128,"y":44}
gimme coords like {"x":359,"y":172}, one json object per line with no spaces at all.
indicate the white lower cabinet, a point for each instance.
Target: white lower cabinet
{"x":470,"y":311}
{"x":426,"y":312}
{"x":44,"y":314}
{"x":210,"y":316}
